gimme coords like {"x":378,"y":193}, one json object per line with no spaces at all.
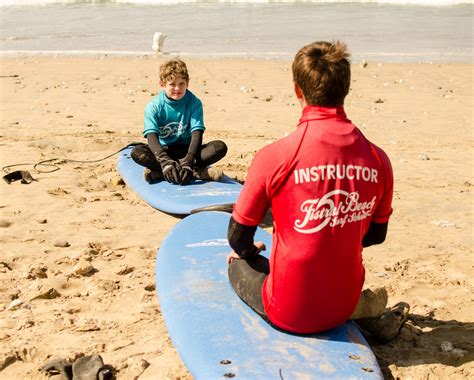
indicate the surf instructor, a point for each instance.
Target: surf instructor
{"x":330,"y":191}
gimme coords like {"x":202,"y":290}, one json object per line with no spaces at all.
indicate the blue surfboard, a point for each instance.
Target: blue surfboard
{"x":175,"y":199}
{"x":218,"y":336}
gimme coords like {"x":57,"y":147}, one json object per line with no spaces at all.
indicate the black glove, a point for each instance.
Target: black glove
{"x":170,"y":168}
{"x":186,"y":172}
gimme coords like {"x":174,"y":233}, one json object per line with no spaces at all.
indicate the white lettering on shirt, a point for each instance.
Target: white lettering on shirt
{"x":335,"y":208}
{"x":171,"y":129}
{"x":328,"y":172}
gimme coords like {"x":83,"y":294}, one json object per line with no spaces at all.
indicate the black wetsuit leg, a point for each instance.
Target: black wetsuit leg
{"x":247,"y":277}
{"x":210,"y":153}
{"x":143,"y":156}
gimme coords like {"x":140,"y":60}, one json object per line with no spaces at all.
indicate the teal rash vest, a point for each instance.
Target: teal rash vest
{"x":174,"y":120}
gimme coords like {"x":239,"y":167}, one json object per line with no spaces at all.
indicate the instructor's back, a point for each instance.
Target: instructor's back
{"x":330,"y":191}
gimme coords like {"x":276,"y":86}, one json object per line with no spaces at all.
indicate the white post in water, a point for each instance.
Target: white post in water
{"x":158,"y":41}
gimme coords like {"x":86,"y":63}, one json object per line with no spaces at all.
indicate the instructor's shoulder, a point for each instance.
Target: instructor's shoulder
{"x":383,"y":156}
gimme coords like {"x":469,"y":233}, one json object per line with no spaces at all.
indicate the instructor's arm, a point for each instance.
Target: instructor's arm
{"x":241,"y":241}
{"x":375,"y":235}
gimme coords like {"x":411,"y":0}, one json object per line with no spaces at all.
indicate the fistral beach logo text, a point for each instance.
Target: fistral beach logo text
{"x":172,"y":129}
{"x":337,"y":207}
{"x":318,"y":213}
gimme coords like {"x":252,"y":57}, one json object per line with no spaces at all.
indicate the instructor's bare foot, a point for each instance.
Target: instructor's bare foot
{"x":372,"y":303}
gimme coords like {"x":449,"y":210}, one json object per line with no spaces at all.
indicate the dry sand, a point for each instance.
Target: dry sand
{"x":88,"y":108}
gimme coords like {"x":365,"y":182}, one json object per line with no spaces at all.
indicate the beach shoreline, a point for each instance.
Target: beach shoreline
{"x":374,"y":32}
{"x":87,"y":108}
{"x":382,"y":58}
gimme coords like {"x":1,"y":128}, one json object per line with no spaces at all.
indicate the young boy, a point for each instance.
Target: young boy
{"x":330,"y":191}
{"x":174,"y":126}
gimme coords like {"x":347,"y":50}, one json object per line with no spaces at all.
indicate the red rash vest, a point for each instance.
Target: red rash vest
{"x":325,"y":183}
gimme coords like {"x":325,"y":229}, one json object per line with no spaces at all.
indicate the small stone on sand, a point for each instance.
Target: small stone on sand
{"x":125,"y":269}
{"x":5,"y":223}
{"x":83,"y":268}
{"x":117,"y":181}
{"x":48,"y":295}
{"x":15,"y":304}
{"x":62,"y":243}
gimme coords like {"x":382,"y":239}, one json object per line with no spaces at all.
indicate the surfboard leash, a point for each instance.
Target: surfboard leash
{"x":54,"y":163}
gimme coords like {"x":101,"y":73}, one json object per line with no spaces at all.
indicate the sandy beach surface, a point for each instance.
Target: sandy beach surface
{"x":77,"y":263}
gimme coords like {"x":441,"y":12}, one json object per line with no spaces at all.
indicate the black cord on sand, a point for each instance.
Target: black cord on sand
{"x":55,"y":162}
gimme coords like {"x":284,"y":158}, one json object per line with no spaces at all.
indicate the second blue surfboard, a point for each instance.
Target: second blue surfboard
{"x":219,"y":337}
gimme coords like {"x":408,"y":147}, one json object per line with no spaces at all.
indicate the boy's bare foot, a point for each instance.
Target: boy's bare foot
{"x":209,"y":174}
{"x":152,"y":176}
{"x":387,"y":326}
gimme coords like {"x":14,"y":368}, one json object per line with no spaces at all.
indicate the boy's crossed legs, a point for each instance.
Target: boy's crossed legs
{"x":209,"y":154}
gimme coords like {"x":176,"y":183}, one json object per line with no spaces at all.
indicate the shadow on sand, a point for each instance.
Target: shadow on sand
{"x":421,"y":341}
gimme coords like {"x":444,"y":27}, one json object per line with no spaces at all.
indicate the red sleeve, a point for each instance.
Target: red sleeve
{"x":384,"y":208}
{"x":253,"y":200}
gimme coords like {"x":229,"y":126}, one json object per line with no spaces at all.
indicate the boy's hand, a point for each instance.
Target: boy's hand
{"x":186,"y":171}
{"x":170,"y":168}
{"x":185,"y":174}
{"x":171,"y":172}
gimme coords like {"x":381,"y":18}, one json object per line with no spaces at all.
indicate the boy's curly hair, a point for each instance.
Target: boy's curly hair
{"x":322,"y":71}
{"x":172,"y":69}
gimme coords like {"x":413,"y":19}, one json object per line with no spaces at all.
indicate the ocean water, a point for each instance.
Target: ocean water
{"x":433,"y":31}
